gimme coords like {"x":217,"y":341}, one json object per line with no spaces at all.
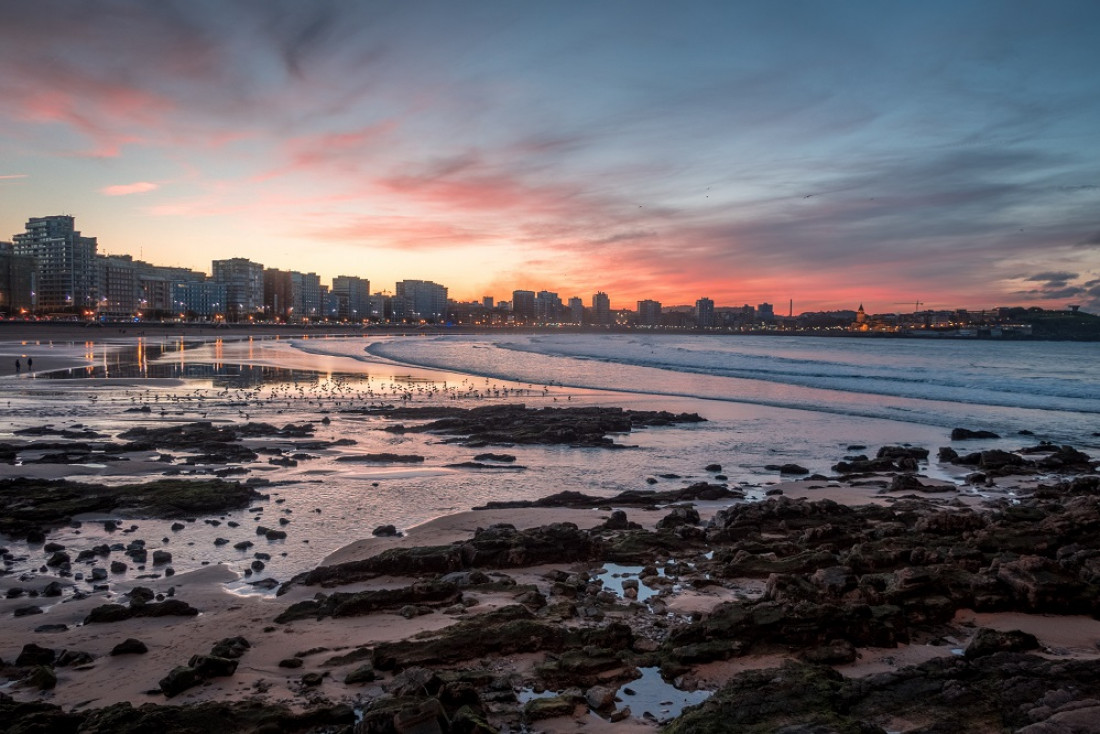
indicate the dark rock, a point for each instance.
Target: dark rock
{"x":178,"y":680}
{"x":618,"y":521}
{"x":965,"y":434}
{"x":987,"y":641}
{"x":212,"y":666}
{"x":515,"y":424}
{"x":41,"y":677}
{"x":506,"y":458}
{"x":549,"y":708}
{"x":342,"y":604}
{"x":836,"y":652}
{"x":385,"y":531}
{"x":384,"y":458}
{"x":678,"y":517}
{"x":363,"y":674}
{"x":130,"y":646}
{"x":793,"y":469}
{"x":118,"y":613}
{"x":33,"y":654}
{"x":230,"y":647}
{"x":70,"y":658}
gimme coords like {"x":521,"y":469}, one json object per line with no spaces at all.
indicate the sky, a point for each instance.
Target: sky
{"x":830,"y":153}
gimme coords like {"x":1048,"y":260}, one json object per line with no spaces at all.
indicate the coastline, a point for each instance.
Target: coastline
{"x":223,"y":613}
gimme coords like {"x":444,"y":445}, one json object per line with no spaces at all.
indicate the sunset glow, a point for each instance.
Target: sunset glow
{"x":829,"y":153}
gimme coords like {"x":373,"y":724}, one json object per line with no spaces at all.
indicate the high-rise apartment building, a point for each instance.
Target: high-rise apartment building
{"x":523,"y":306}
{"x":353,"y":295}
{"x":118,"y":286}
{"x":548,"y":307}
{"x":765,"y":312}
{"x":421,"y":300}
{"x":704,"y":313}
{"x":601,"y":309}
{"x":18,"y":278}
{"x":204,"y":299}
{"x":649,"y":313}
{"x":576,"y":310}
{"x":244,"y":286}
{"x":65,"y":261}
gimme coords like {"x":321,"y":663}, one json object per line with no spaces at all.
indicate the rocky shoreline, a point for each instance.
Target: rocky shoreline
{"x":549,"y":615}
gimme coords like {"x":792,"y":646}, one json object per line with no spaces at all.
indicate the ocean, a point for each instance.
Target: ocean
{"x":767,"y":401}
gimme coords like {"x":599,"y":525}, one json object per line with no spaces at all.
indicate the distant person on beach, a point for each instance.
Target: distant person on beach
{"x":30,"y":363}
{"x":18,"y":366}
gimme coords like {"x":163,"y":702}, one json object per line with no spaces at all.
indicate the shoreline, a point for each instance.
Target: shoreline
{"x":691,"y":585}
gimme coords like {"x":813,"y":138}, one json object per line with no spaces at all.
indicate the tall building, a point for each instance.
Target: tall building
{"x":306,"y":291}
{"x":353,"y":294}
{"x":422,"y":300}
{"x":601,"y":309}
{"x":244,"y":286}
{"x":548,"y":306}
{"x":203,"y":299}
{"x":381,"y":307}
{"x":576,"y":310}
{"x":487,"y":302}
{"x":18,"y":278}
{"x":278,"y":297}
{"x":765,"y":312}
{"x":118,"y":287}
{"x":65,"y":261}
{"x":704,"y":313}
{"x":523,"y":306}
{"x":649,"y":313}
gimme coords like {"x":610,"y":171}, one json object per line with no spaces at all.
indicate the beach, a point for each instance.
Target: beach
{"x":625,"y":543}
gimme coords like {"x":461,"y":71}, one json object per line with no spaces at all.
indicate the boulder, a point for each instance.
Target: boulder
{"x":988,"y":641}
{"x":41,"y":677}
{"x":965,"y":434}
{"x":212,"y":666}
{"x":363,"y":674}
{"x":33,"y":654}
{"x":178,"y":680}
{"x":130,"y":646}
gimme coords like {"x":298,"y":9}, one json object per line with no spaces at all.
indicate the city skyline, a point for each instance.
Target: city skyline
{"x":834,"y":154}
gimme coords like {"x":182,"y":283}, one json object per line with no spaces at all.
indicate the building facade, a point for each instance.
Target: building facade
{"x":601,"y":309}
{"x":18,"y":278}
{"x":244,"y":287}
{"x":353,"y":297}
{"x":421,"y":300}
{"x":523,"y":306}
{"x":65,"y":263}
{"x":649,"y":313}
{"x":576,"y":310}
{"x":199,"y":299}
{"x":704,"y":313}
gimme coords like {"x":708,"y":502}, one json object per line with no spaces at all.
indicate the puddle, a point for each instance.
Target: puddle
{"x":528,"y":694}
{"x":614,"y":575}
{"x":661,"y":700}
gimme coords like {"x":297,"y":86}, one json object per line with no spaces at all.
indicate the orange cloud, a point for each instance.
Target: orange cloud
{"x":140,"y":187}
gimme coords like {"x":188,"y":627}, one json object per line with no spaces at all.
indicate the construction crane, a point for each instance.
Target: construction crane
{"x":916,"y":304}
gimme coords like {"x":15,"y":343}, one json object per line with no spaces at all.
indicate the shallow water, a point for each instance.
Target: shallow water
{"x":327,"y":504}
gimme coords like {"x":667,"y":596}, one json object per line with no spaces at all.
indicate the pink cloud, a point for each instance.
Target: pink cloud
{"x":140,"y":187}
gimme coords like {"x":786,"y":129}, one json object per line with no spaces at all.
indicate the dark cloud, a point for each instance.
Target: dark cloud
{"x":1093,"y":240}
{"x":1053,"y":279}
